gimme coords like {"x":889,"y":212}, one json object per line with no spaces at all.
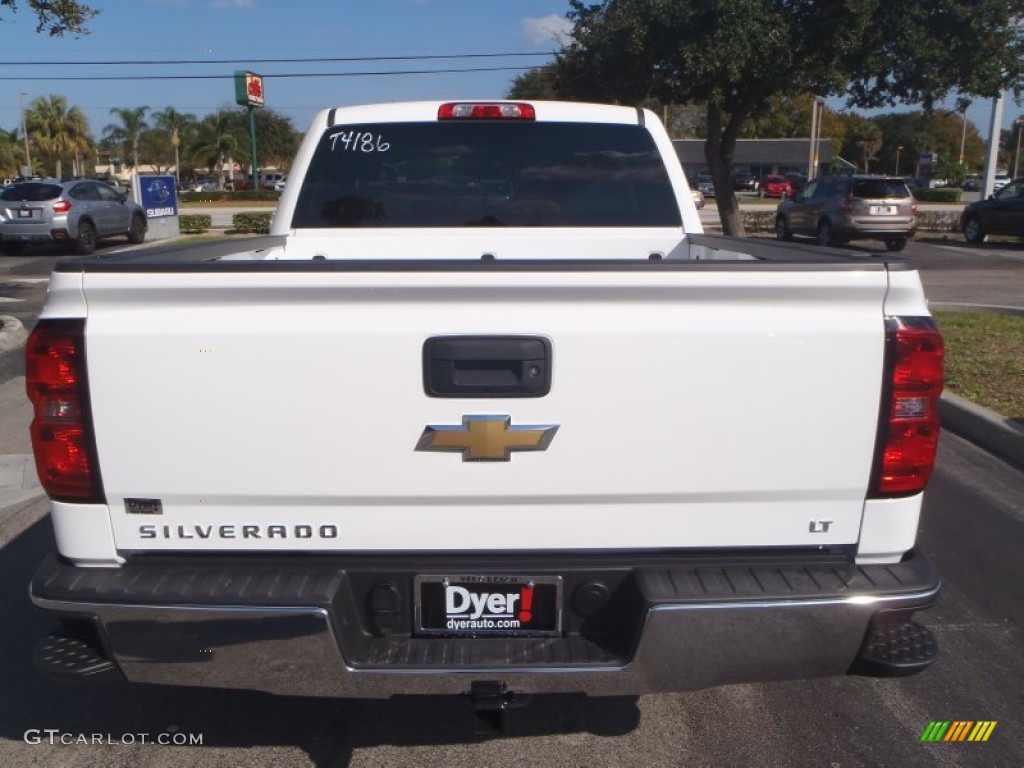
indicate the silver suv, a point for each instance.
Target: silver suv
{"x":77,"y":212}
{"x":837,"y":209}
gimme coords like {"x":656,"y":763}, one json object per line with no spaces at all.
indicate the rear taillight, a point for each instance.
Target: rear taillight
{"x":62,"y":435}
{"x":486,"y":111}
{"x":61,"y":206}
{"x":909,"y":424}
{"x":846,"y":204}
{"x":913,"y":207}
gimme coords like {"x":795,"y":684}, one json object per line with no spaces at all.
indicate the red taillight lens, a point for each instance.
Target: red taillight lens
{"x":61,"y":206}
{"x":62,"y":436}
{"x":913,"y":207}
{"x":909,"y":429}
{"x":846,"y":205}
{"x":486,"y":111}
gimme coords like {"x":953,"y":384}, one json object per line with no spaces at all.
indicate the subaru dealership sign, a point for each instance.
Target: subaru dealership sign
{"x":158,"y":196}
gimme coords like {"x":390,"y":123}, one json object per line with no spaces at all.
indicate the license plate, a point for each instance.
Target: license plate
{"x":883,"y":210}
{"x":488,"y":605}
{"x":24,"y":213}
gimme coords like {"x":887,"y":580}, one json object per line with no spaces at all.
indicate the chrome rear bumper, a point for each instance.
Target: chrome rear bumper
{"x":304,"y":631}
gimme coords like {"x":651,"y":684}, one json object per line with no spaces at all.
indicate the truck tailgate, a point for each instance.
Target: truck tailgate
{"x":702,"y":407}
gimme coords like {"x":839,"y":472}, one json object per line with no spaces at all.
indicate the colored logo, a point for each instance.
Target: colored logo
{"x":159,"y":191}
{"x":486,"y":438}
{"x":958,"y":730}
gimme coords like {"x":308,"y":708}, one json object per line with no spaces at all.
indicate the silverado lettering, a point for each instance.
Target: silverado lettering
{"x":238,"y":531}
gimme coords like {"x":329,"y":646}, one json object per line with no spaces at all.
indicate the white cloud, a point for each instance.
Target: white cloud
{"x":548,"y":29}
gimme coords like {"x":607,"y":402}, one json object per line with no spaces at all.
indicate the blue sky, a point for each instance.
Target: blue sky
{"x":262,"y":29}
{"x":249,"y":30}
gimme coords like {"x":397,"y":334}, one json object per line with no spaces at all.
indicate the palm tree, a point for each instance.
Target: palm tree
{"x":179,"y":126}
{"x":10,"y":153}
{"x":215,"y":142}
{"x":133,"y":123}
{"x":80,"y":126}
{"x":56,"y":130}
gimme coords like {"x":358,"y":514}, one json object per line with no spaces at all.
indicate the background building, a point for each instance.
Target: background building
{"x":758,"y":156}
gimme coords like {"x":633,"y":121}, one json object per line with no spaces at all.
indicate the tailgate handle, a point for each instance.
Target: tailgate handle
{"x":487,"y":366}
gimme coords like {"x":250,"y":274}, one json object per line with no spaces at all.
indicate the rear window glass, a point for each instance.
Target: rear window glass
{"x":880,"y":188}
{"x":486,"y":174}
{"x":32,"y":192}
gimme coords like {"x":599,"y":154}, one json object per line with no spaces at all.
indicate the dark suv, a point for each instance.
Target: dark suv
{"x":1001,"y":214}
{"x":837,"y":209}
{"x":77,"y":212}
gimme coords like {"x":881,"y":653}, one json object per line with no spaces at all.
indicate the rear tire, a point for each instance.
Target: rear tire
{"x":825,"y":234}
{"x":12,"y":248}
{"x":137,"y":230}
{"x":781,"y":230}
{"x":973,"y":233}
{"x":896,"y":243}
{"x":85,"y":243}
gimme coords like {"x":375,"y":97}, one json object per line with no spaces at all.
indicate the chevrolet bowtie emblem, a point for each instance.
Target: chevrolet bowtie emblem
{"x":486,"y":438}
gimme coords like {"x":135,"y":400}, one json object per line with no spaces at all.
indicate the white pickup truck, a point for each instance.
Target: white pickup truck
{"x":486,"y":413}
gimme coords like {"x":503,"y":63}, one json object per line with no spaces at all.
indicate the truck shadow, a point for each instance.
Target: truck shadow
{"x":328,"y":730}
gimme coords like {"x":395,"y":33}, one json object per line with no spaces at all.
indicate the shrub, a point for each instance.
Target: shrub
{"x":940,"y":195}
{"x":763,"y":222}
{"x":938,"y":221}
{"x":758,"y":222}
{"x":252,"y":222}
{"x":217,"y":196}
{"x":194,"y":223}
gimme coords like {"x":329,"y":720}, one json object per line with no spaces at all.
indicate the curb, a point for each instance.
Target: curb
{"x":983,"y":427}
{"x":993,"y":309}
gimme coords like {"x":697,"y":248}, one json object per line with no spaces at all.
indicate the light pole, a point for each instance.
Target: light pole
{"x":898,"y":150}
{"x":817,"y":116}
{"x":175,"y":142}
{"x":24,"y":131}
{"x":1018,"y":124}
{"x":962,"y":104}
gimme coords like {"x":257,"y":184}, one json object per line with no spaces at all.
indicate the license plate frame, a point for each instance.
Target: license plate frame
{"x":487,"y":616}
{"x":884,"y":210}
{"x":26,"y":213}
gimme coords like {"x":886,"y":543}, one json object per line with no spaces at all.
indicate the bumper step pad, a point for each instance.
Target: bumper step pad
{"x":67,"y":657}
{"x":897,"y":650}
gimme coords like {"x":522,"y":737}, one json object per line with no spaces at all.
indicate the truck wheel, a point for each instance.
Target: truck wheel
{"x":973,"y":233}
{"x":85,"y":243}
{"x":137,"y":230}
{"x":825,"y":236}
{"x":896,"y":243}
{"x":781,"y":230}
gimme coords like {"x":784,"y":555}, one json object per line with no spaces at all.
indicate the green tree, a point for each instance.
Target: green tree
{"x":865,"y":139}
{"x":912,"y":134}
{"x":12,"y":156}
{"x":172,"y":129}
{"x":57,"y":131}
{"x":128,"y":133}
{"x":56,"y":17}
{"x":216,"y":140}
{"x":735,"y":55}
{"x":277,"y":141}
{"x":536,"y":84}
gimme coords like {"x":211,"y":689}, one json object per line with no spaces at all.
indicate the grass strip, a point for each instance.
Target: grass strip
{"x":985,"y":359}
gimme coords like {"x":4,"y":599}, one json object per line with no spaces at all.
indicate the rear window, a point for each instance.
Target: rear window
{"x":486,"y":174}
{"x":32,"y":192}
{"x":880,"y":188}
